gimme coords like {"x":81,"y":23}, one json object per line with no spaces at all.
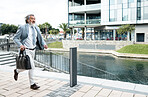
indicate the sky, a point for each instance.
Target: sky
{"x":52,"y":11}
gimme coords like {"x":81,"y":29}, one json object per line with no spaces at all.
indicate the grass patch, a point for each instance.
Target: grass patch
{"x":135,"y":49}
{"x":55,"y":45}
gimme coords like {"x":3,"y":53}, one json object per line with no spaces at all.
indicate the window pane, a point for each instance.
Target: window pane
{"x":70,"y":17}
{"x":130,"y":1}
{"x":125,"y":15}
{"x":119,"y":1}
{"x":139,"y":13}
{"x":145,"y":12}
{"x":112,"y":15}
{"x":78,"y":17}
{"x":112,"y":2}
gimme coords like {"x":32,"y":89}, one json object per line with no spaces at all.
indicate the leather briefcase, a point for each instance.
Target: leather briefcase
{"x":23,"y":61}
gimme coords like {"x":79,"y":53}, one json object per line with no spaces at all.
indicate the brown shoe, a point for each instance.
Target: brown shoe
{"x":15,"y":75}
{"x":34,"y":86}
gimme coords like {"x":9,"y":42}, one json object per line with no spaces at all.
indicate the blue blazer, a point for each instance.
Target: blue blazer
{"x":22,"y":34}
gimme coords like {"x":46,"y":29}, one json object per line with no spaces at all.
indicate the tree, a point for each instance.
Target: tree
{"x":126,"y":28}
{"x":45,"y":27}
{"x":54,"y":31}
{"x":82,"y":33}
{"x":64,"y":27}
{"x":8,"y":29}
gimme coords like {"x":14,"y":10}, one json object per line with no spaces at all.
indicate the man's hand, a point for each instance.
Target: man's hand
{"x":45,"y":46}
{"x":22,"y":47}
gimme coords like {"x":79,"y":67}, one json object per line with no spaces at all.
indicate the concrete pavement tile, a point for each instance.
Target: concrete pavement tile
{"x":12,"y":86}
{"x":43,"y":83}
{"x":96,"y":88}
{"x":115,"y":93}
{"x":11,"y":91}
{"x":139,"y":95}
{"x":2,"y":90}
{"x":104,"y":93}
{"x":28,"y":94}
{"x":23,"y":91}
{"x":55,"y":87}
{"x":85,"y":88}
{"x":42,"y":88}
{"x":77,"y":94}
{"x":14,"y":95}
{"x":53,"y":82}
{"x":41,"y":94}
{"x":126,"y":94}
{"x":24,"y":86}
{"x":91,"y":93}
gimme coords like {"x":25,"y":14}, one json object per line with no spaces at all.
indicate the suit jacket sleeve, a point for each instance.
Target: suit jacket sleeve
{"x":43,"y":42}
{"x":17,"y":36}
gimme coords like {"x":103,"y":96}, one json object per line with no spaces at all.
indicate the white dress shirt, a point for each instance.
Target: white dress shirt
{"x":29,"y":41}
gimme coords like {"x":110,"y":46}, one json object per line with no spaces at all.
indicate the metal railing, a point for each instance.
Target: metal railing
{"x":53,"y":60}
{"x":6,"y":44}
{"x":61,"y":63}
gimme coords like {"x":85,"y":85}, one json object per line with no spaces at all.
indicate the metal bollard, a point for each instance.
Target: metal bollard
{"x":51,"y":59}
{"x":8,"y":46}
{"x":73,"y":66}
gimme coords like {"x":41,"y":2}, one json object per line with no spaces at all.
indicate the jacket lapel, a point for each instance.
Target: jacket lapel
{"x":27,"y":29}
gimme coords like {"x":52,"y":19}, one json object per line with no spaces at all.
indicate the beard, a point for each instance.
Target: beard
{"x":32,"y":24}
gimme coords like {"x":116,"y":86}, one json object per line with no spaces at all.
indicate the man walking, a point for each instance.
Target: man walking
{"x":28,"y":38}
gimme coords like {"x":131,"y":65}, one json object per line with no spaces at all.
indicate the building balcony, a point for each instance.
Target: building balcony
{"x":93,"y":21}
{"x":84,"y":8}
{"x":90,"y":22}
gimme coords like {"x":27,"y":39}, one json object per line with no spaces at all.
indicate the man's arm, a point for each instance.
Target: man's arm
{"x":17,"y":36}
{"x":43,"y":42}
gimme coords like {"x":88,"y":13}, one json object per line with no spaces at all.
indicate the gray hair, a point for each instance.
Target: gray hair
{"x":28,"y":17}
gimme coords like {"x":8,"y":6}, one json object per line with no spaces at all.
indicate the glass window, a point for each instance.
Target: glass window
{"x":112,"y":2}
{"x":79,"y":17}
{"x":132,"y":14}
{"x":119,"y":1}
{"x":70,"y":17}
{"x":125,"y":15}
{"x":145,"y":13}
{"x":124,"y":1}
{"x":130,"y":1}
{"x":93,"y":16}
{"x":112,"y":15}
{"x":92,"y":2}
{"x":139,"y":13}
{"x":78,"y":2}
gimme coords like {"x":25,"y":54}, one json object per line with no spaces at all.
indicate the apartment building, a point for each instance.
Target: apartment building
{"x":104,"y":17}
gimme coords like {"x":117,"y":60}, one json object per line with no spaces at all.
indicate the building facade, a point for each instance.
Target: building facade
{"x":104,"y":17}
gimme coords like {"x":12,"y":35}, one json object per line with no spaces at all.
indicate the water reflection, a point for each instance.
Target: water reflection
{"x":102,"y":66}
{"x":129,"y":70}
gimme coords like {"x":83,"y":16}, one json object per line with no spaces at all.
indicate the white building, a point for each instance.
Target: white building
{"x":106,"y":16}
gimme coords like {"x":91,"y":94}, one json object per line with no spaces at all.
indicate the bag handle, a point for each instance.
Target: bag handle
{"x":23,"y":53}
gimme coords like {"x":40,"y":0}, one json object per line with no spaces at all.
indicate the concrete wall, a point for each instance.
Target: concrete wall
{"x":95,"y":44}
{"x":142,"y":29}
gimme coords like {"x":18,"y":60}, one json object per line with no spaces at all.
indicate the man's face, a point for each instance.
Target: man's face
{"x":32,"y":20}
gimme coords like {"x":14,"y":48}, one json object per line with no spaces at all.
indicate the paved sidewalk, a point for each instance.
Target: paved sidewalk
{"x":53,"y":88}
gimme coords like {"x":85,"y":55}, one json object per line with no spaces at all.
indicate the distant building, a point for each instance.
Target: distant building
{"x":106,"y":16}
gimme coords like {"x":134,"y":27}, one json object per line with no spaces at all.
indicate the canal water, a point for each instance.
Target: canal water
{"x":105,"y":66}
{"x":110,"y":67}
